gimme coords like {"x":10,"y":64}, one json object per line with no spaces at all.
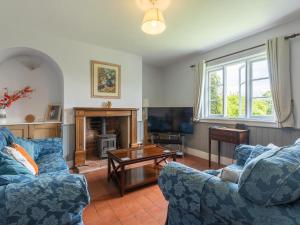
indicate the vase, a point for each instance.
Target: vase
{"x":2,"y":116}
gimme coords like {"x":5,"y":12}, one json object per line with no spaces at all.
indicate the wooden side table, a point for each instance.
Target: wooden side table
{"x":229,"y":135}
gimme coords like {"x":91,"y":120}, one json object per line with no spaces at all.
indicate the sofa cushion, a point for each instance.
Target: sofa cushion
{"x":9,"y":166}
{"x":256,"y":151}
{"x":273,"y":177}
{"x":32,"y":148}
{"x":10,"y":138}
{"x":23,"y":157}
{"x":3,"y":141}
{"x":242,"y":153}
{"x":8,"y":179}
{"x":51,"y":163}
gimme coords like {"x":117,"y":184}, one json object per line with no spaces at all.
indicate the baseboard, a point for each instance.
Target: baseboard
{"x":204,"y":155}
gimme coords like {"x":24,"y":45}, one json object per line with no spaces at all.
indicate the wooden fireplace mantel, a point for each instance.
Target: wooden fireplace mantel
{"x":81,"y":113}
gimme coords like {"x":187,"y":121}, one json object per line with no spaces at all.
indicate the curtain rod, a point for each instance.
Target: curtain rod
{"x":247,"y":49}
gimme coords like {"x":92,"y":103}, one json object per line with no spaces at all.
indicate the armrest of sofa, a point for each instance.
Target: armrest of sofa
{"x":57,"y":199}
{"x":49,"y":145}
{"x":182,"y":186}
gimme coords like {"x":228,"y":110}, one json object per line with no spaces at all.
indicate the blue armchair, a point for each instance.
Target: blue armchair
{"x":267,"y":193}
{"x":54,"y":197}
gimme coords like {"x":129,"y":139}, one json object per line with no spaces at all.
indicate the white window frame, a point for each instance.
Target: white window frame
{"x":248,"y":60}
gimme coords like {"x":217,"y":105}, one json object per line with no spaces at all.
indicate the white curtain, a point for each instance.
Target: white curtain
{"x":278,"y":51}
{"x":199,"y":89}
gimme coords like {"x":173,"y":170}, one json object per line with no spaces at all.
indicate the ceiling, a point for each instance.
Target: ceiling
{"x":192,"y":25}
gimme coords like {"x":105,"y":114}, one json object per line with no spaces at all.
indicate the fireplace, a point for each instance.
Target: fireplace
{"x":107,"y":128}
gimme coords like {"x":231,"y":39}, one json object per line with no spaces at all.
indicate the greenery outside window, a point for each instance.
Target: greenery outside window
{"x":239,"y":89}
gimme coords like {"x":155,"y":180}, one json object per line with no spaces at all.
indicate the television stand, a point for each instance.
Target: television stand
{"x":169,"y":139}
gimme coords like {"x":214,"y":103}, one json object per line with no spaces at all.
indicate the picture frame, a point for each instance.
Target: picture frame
{"x":54,"y":112}
{"x":105,"y":80}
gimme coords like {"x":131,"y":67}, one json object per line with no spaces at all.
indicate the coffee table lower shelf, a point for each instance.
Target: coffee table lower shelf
{"x":139,"y":176}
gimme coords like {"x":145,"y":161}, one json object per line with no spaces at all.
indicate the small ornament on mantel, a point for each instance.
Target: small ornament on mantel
{"x":107,"y":104}
{"x":30,"y":118}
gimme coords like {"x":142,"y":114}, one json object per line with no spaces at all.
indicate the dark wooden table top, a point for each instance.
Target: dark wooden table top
{"x":144,"y":153}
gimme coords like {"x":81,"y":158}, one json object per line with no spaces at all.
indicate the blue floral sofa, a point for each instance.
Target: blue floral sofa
{"x":267,"y":192}
{"x":54,"y":197}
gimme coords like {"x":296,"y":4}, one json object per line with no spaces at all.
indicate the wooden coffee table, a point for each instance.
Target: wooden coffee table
{"x":128,"y":178}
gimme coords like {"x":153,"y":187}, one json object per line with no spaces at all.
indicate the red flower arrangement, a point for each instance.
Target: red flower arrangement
{"x":7,"y":99}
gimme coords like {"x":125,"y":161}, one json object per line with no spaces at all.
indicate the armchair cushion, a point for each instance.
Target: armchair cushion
{"x":273,"y":177}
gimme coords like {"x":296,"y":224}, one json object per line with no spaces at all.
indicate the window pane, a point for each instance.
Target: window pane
{"x":235,"y":74}
{"x":260,"y":69}
{"x":261,"y":88}
{"x":216,"y":107}
{"x":262,"y":107}
{"x":216,"y":92}
{"x":216,"y":78}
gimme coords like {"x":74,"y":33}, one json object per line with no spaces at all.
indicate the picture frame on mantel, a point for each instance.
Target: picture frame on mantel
{"x":106,"y":80}
{"x":54,"y":113}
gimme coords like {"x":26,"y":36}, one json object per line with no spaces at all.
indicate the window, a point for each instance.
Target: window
{"x":239,"y":89}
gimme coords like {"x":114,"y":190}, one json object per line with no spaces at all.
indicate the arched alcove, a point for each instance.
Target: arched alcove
{"x":20,"y":67}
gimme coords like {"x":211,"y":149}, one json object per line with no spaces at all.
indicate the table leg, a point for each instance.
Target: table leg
{"x":174,"y":158}
{"x":219,"y":152}
{"x":122,"y":181}
{"x":108,"y":168}
{"x":209,"y":153}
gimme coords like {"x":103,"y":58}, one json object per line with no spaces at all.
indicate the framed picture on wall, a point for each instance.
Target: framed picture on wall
{"x":106,"y":80}
{"x":54,"y":113}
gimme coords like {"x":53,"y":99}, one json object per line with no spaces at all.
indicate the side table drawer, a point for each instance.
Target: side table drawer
{"x":231,"y":139}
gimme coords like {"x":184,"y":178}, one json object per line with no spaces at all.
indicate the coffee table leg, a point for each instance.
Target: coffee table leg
{"x":108,"y":168}
{"x":122,"y":181}
{"x":174,"y":158}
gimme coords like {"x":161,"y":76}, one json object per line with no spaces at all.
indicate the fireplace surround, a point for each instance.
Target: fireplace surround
{"x":127,"y":116}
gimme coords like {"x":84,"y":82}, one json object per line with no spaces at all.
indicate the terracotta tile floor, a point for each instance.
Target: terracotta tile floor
{"x":143,"y":206}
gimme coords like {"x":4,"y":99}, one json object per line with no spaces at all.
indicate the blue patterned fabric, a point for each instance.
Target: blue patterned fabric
{"x":9,"y":166}
{"x":32,"y":148}
{"x":10,"y":138}
{"x":3,"y":141}
{"x":55,"y":197}
{"x":51,"y":163}
{"x":49,"y":145}
{"x":256,"y":151}
{"x":273,"y":177}
{"x":242,"y":153}
{"x":51,"y":200}
{"x":9,"y":179}
{"x":198,"y":198}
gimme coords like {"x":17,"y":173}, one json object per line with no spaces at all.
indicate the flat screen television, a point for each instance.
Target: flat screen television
{"x":170,"y":120}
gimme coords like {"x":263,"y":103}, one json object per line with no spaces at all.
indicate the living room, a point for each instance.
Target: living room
{"x":99,"y":98}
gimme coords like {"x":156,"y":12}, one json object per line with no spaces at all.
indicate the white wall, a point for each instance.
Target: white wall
{"x":153,"y":86}
{"x":43,"y":79}
{"x":178,"y":77}
{"x":74,"y":60}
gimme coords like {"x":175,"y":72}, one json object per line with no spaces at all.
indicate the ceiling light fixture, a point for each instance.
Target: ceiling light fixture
{"x":153,"y":22}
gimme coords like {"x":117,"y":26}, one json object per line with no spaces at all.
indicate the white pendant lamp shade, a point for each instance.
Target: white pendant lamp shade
{"x":153,"y":22}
